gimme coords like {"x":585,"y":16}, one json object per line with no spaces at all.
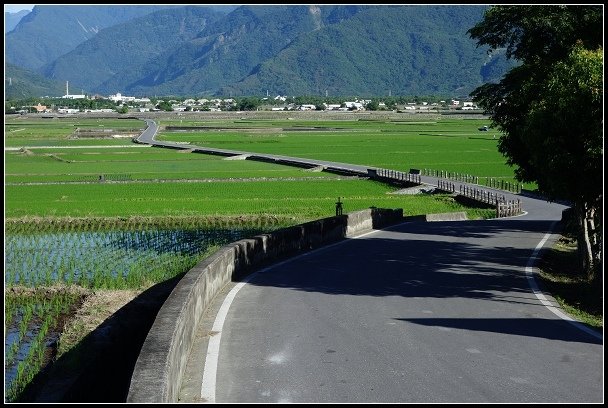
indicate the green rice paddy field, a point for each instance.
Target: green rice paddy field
{"x":454,"y":145}
{"x":78,"y":186}
{"x":56,"y":171}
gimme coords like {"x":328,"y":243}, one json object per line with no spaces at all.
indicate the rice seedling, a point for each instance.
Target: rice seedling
{"x":26,"y":342}
{"x":91,"y":259}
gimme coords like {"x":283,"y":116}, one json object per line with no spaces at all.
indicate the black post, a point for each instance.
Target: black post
{"x":338,"y":207}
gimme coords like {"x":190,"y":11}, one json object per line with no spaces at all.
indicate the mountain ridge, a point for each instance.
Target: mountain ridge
{"x":290,"y":50}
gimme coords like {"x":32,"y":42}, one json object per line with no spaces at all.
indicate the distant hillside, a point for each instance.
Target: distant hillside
{"x":22,"y":83}
{"x":12,"y":19}
{"x":342,"y":50}
{"x":225,"y":51}
{"x":292,"y":50}
{"x":127,"y":46}
{"x":407,"y":50}
{"x":50,"y":31}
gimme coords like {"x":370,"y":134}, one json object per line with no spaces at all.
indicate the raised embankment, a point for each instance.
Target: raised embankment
{"x":158,"y":372}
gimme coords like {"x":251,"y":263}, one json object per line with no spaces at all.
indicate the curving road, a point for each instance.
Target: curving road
{"x":445,"y":312}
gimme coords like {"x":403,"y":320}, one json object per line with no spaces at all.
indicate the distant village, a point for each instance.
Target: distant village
{"x":124,"y":104}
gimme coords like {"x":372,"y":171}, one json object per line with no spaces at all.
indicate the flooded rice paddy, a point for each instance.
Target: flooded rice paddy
{"x":89,"y":259}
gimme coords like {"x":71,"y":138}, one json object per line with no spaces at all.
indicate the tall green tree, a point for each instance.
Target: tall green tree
{"x":549,"y":107}
{"x":248,"y":103}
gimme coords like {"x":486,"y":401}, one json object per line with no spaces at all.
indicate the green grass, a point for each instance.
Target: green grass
{"x":561,"y":276}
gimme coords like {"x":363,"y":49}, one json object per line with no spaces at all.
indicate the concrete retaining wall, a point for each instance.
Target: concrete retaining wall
{"x":159,"y":368}
{"x":453,"y":216}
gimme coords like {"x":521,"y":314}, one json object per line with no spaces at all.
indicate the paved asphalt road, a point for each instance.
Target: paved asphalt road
{"x":444,"y":312}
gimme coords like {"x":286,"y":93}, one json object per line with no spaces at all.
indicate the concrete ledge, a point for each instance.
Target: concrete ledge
{"x":158,"y":372}
{"x":238,"y":157}
{"x":454,"y":216}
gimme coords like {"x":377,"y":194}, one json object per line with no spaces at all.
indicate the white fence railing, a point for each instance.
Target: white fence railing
{"x":399,"y":176}
{"x":504,"y":207}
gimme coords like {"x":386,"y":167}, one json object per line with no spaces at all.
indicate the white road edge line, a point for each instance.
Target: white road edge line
{"x":539,"y":294}
{"x":213,"y":347}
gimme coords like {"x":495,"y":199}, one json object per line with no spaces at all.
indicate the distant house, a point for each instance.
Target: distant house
{"x":67,"y":110}
{"x":120,"y":98}
{"x":354,"y":105}
{"x":40,"y":108}
{"x":308,"y":107}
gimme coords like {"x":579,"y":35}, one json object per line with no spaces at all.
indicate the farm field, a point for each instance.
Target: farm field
{"x":22,"y":131}
{"x":78,"y":185}
{"x":139,"y":163}
{"x":449,"y":144}
{"x":55,"y":179}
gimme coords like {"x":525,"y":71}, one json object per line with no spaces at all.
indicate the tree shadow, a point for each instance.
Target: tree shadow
{"x":468,"y":260}
{"x":543,"y":328}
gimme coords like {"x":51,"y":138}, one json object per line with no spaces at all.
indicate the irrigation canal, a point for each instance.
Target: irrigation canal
{"x":417,"y":313}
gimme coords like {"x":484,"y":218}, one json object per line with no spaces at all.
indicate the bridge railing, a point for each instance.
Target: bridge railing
{"x":504,"y":207}
{"x":491,"y":182}
{"x":398,"y":176}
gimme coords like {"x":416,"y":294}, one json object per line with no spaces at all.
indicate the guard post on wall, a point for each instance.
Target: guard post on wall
{"x":338,"y":207}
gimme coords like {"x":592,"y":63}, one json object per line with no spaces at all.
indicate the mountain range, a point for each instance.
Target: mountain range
{"x":11,"y":19}
{"x":335,"y":50}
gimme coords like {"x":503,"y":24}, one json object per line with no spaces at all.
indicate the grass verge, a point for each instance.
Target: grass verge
{"x":561,"y":276}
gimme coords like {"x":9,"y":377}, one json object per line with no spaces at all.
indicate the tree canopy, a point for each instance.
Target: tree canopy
{"x":550,"y":107}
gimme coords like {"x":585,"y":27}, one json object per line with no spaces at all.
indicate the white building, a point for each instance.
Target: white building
{"x":74,"y":96}
{"x":120,"y":98}
{"x":355,"y":105}
{"x":67,"y":110}
{"x":68,"y":96}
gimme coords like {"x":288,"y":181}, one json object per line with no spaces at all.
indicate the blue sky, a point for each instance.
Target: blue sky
{"x":13,"y":8}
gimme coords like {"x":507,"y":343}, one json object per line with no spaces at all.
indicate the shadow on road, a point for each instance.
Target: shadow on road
{"x":468,"y":260}
{"x":543,"y":328}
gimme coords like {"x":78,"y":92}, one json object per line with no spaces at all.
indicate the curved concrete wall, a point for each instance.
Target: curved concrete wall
{"x":159,"y":368}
